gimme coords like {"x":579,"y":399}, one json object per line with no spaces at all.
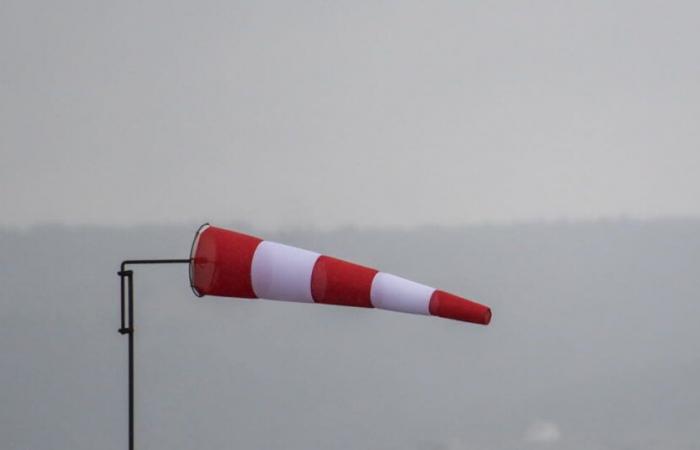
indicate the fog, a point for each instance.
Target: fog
{"x":539,"y":157}
{"x":593,"y":344}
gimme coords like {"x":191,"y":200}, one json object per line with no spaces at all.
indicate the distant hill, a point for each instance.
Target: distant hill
{"x":594,"y":344}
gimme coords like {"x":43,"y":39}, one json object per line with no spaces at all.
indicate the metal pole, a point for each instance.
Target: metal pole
{"x":129,"y":329}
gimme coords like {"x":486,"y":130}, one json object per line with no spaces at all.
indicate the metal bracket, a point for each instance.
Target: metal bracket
{"x":126,"y":277}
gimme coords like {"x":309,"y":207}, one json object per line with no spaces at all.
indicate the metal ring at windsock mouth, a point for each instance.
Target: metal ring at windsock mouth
{"x":193,"y":249}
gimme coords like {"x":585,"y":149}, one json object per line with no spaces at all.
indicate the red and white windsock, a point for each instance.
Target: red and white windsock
{"x":231,"y":264}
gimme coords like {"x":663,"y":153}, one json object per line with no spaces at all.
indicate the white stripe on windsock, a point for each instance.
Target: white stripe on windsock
{"x":282,"y":272}
{"x":399,"y":294}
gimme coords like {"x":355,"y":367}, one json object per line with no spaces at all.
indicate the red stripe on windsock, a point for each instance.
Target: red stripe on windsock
{"x":449,"y":306}
{"x":339,"y":282}
{"x":222,"y":261}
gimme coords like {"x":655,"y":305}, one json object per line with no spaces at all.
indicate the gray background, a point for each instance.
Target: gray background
{"x":365,"y":113}
{"x":540,"y":157}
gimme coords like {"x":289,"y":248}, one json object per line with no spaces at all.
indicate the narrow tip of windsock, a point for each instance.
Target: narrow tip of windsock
{"x":449,"y":306}
{"x":487,"y":316}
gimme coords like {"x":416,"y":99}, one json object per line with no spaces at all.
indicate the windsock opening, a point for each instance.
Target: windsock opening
{"x":193,"y":249}
{"x":220,"y":261}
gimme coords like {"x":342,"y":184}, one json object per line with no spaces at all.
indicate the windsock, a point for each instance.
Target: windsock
{"x":231,"y":264}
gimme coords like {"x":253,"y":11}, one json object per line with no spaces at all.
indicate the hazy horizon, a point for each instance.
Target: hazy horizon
{"x":295,"y":228}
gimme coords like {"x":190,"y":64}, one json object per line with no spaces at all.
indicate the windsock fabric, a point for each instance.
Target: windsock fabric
{"x":231,"y":264}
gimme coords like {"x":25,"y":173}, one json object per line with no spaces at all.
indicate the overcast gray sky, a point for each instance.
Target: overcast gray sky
{"x":328,"y":113}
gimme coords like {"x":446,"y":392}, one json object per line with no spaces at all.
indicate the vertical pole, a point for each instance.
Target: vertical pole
{"x":127,"y":327}
{"x":127,"y":324}
{"x":131,"y":360}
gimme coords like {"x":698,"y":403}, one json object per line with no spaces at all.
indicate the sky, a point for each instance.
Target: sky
{"x":328,"y":114}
